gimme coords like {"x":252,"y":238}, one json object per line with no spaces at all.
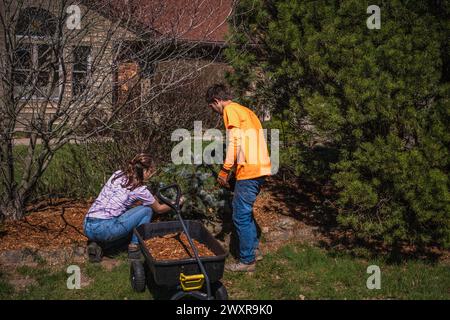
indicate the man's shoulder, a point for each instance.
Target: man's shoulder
{"x":236,"y":107}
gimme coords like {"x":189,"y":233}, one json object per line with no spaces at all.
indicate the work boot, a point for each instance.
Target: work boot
{"x":95,"y":252}
{"x":241,"y":267}
{"x":134,"y":252}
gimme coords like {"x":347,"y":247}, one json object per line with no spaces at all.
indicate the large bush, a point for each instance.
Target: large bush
{"x":380,"y":97}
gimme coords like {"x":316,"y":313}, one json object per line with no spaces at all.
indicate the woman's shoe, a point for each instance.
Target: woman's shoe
{"x":95,"y":252}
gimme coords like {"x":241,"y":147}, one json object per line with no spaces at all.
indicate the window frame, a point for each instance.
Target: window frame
{"x":34,"y":42}
{"x":87,"y":73}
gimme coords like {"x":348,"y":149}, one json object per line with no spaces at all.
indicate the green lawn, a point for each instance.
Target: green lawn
{"x":294,"y":272}
{"x":297,"y":270}
{"x":73,"y":172}
{"x":51,"y":284}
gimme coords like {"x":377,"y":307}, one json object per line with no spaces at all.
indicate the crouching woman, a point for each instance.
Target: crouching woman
{"x":115,"y":213}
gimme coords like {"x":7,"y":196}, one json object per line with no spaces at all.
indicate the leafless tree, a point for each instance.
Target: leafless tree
{"x":117,"y":69}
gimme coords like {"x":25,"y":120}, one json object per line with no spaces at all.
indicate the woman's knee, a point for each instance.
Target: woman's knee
{"x":144,"y":210}
{"x":147,"y":212}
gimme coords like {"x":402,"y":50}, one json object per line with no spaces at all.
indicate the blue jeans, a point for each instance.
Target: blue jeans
{"x":110,"y":230}
{"x":245,"y":193}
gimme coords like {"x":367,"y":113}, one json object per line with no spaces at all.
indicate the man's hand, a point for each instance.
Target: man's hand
{"x":182,"y":200}
{"x":223,"y":177}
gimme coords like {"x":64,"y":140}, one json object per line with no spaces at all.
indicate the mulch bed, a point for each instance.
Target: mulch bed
{"x":58,"y":223}
{"x":175,"y":246}
{"x":49,"y":226}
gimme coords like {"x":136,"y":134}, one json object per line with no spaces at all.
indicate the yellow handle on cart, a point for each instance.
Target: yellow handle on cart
{"x":192,"y":282}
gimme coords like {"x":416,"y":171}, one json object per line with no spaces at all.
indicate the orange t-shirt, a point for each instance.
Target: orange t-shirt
{"x":247,"y":147}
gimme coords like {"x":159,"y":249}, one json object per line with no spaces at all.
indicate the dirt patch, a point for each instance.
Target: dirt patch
{"x":279,"y":223}
{"x":35,"y":257}
{"x":85,"y":281}
{"x":109,"y":264}
{"x":174,"y":246}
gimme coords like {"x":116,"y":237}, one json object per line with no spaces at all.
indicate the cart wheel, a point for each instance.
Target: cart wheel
{"x":137,"y":276}
{"x":219,"y":291}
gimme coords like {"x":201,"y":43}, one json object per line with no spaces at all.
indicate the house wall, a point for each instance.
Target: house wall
{"x":188,"y":78}
{"x":94,"y":33}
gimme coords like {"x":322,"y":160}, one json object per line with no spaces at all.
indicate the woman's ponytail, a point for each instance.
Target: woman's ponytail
{"x":135,"y":171}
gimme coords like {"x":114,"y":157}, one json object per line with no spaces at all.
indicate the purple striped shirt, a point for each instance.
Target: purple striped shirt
{"x":114,"y":200}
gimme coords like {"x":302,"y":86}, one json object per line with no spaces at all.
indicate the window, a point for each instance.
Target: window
{"x":36,"y":70}
{"x":36,"y":22}
{"x":23,"y":64}
{"x":36,"y":67}
{"x":81,"y":68}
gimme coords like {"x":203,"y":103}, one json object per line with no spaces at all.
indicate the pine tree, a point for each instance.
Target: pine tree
{"x":380,"y":96}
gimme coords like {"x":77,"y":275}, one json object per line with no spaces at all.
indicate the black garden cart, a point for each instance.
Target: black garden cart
{"x":192,"y":278}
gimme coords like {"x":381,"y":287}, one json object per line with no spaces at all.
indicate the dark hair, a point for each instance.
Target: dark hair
{"x":134,"y":171}
{"x":218,"y":91}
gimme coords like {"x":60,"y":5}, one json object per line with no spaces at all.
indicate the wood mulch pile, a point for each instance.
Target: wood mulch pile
{"x":49,"y":226}
{"x":175,"y":246}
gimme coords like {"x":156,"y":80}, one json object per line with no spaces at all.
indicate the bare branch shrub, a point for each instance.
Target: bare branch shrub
{"x":121,"y":71}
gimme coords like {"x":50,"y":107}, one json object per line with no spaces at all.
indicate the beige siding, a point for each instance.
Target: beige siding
{"x":93,"y":33}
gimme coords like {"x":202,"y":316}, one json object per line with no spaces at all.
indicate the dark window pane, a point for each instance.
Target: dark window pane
{"x":78,"y":83}
{"x":22,"y":64}
{"x":47,"y":65}
{"x":23,"y":58}
{"x":20,"y":78}
{"x":81,"y":58}
{"x":36,"y":22}
{"x":43,"y":79}
{"x":46,"y":59}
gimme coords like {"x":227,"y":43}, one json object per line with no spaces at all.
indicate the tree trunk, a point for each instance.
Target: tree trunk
{"x":13,"y":209}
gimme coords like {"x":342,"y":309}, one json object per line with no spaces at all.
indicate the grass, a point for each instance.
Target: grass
{"x":294,"y":272}
{"x":73,"y":172}
{"x":6,"y":289}
{"x":52,"y":284}
{"x":302,"y":271}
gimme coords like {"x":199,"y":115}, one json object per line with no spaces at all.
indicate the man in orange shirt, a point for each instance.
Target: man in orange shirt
{"x":247,"y":153}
